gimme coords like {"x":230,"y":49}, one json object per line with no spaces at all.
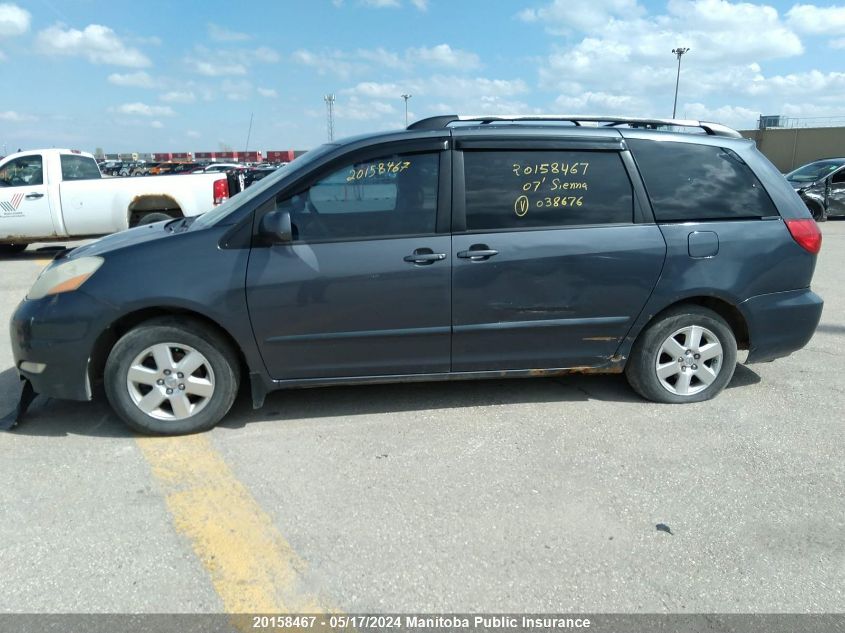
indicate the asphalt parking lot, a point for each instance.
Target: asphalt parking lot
{"x":539,"y":495}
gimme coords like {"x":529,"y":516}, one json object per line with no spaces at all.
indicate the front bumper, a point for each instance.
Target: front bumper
{"x":780,"y":323}
{"x":58,"y":332}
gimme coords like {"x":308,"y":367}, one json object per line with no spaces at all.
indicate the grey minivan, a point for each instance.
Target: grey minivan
{"x":462,"y":247}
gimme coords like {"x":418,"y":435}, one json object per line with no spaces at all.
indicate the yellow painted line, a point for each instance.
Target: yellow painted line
{"x":43,"y":262}
{"x":252,"y":567}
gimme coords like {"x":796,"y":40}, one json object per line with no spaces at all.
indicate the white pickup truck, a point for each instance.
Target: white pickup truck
{"x":59,"y":194}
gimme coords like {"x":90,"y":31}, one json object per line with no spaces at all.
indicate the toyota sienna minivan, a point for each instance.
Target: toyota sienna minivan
{"x":461,"y":247}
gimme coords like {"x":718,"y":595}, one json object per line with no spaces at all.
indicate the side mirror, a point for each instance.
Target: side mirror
{"x":276,"y":228}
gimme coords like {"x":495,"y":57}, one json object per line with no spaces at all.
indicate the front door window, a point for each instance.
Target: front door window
{"x":392,"y":196}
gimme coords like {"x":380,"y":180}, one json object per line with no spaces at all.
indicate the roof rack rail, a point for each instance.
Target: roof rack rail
{"x":442,"y":121}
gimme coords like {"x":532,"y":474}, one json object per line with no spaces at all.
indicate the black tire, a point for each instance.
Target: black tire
{"x":194,"y":335}
{"x":818,"y":211}
{"x":155,"y":216}
{"x":9,"y":249}
{"x":641,"y":370}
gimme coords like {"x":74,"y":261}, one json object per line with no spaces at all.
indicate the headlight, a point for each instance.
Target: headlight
{"x":65,"y":277}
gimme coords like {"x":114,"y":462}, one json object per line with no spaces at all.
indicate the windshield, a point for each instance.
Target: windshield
{"x":815,"y":171}
{"x":300,"y":162}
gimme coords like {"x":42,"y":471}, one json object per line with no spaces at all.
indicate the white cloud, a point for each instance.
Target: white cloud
{"x":223,"y":63}
{"x":214,"y":68}
{"x":266,"y":55}
{"x":357,"y":110}
{"x":475,"y":87}
{"x":421,"y":5}
{"x":376,"y":90}
{"x":804,"y":84}
{"x":565,"y":15}
{"x":599,"y":103}
{"x":13,"y":20}
{"x":141,"y":79}
{"x":808,"y":18}
{"x":96,"y":43}
{"x":733,"y":116}
{"x":268,"y":92}
{"x":178,"y":96}
{"x":840,"y":43}
{"x":142,"y":109}
{"x":344,"y":64}
{"x":157,"y":125}
{"x":16,"y":117}
{"x":381,"y":57}
{"x":192,"y":134}
{"x":812,"y":110}
{"x":469,"y":88}
{"x":444,"y":55}
{"x":334,"y":62}
{"x":221,"y":34}
{"x":236,"y":90}
{"x":625,"y":65}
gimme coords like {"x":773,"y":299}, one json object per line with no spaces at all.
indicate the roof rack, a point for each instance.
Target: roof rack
{"x":440,"y":122}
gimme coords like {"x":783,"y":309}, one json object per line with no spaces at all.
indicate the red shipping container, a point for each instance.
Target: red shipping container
{"x":280,"y":156}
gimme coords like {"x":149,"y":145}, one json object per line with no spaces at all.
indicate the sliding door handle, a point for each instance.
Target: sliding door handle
{"x":478,"y":254}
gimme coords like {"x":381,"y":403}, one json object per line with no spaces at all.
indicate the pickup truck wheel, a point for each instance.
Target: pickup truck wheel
{"x":9,"y":249}
{"x":156,"y":216}
{"x":169,"y":377}
{"x":687,"y":355}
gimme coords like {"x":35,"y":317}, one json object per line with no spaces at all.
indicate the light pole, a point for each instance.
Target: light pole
{"x":406,"y":97}
{"x":329,"y":99}
{"x":680,"y":52}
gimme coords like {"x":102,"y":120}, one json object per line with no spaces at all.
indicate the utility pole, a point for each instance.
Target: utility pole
{"x":406,"y":97}
{"x":329,"y":99}
{"x":249,"y":132}
{"x":680,"y":52}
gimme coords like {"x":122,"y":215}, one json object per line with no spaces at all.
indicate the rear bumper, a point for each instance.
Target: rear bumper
{"x":59,"y":333}
{"x":780,"y":323}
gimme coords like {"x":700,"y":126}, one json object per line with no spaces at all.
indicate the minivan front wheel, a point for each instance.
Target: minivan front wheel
{"x":167,"y":377}
{"x":687,"y":355}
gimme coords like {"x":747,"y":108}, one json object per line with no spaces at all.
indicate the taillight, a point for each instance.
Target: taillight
{"x":221,"y":191}
{"x":806,"y":233}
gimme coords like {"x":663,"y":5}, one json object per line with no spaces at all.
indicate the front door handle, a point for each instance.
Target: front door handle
{"x":33,"y":196}
{"x":478,"y":253}
{"x":423,"y":256}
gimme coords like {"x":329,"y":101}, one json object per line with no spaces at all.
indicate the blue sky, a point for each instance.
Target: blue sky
{"x":186,"y":76}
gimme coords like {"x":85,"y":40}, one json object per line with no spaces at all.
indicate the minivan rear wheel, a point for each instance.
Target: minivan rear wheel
{"x":170,"y":377}
{"x":686,"y":355}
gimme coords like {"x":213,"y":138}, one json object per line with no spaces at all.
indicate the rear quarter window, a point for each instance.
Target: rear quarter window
{"x":690,"y":182}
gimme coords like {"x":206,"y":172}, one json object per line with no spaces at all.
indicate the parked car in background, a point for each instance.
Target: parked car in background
{"x":143,"y":168}
{"x":53,"y":194}
{"x":218,"y":167}
{"x":183,"y":168}
{"x":254,"y":174}
{"x":458,"y":248}
{"x":111,"y":167}
{"x":821,"y":185}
